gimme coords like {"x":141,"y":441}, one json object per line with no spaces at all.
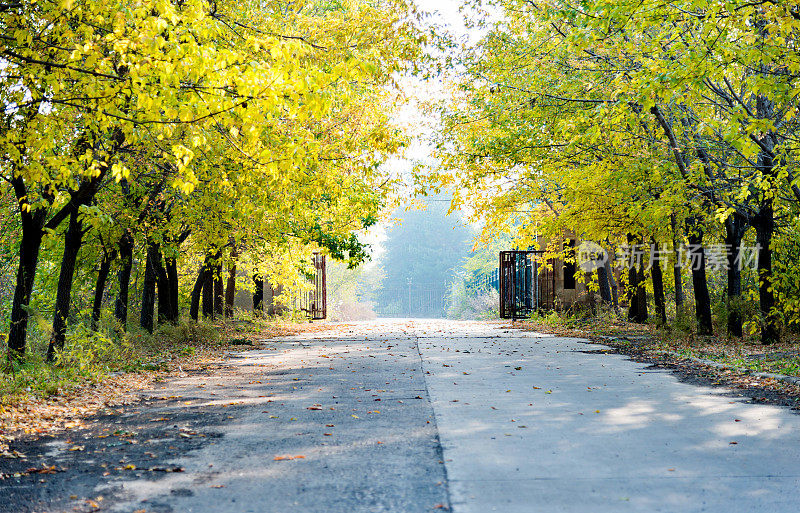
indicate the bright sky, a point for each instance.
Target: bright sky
{"x":445,"y":13}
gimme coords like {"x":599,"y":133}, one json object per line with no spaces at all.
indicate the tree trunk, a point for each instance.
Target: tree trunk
{"x":604,"y":285}
{"x":230,"y":290}
{"x":149,"y":286}
{"x":164,"y":293}
{"x":100,"y":287}
{"x":29,"y":248}
{"x":258,"y":295}
{"x":765,"y":219}
{"x":72,"y":244}
{"x":735,"y":228}
{"x":658,"y":289}
{"x":126,"y":264}
{"x":208,"y":291}
{"x":702,"y":300}
{"x":641,"y":294}
{"x":173,"y":290}
{"x":632,"y":295}
{"x":611,"y":280}
{"x":765,"y":227}
{"x":680,"y":297}
{"x":219,"y":289}
{"x":194,"y":308}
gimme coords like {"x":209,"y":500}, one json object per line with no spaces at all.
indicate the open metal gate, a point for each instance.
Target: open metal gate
{"x":525,"y":285}
{"x":315,"y":301}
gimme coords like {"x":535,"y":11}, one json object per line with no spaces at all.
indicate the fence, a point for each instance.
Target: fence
{"x":484,"y":282}
{"x":525,"y":284}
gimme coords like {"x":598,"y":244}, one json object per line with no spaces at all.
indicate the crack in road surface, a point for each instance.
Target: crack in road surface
{"x":419,"y":416}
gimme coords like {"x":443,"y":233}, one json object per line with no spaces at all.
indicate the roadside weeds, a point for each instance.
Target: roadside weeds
{"x":34,"y":412}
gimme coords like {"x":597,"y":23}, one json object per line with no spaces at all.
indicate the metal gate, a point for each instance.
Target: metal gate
{"x":315,"y":301}
{"x":524,"y":285}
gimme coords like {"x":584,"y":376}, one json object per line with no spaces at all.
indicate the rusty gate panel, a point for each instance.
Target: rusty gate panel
{"x":315,"y":301}
{"x":524,"y":287}
{"x":507,"y":265}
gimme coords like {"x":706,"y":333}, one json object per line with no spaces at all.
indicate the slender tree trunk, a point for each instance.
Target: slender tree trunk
{"x":164,"y":294}
{"x":658,"y":289}
{"x":72,"y":245}
{"x":632,"y":296}
{"x":173,"y":290}
{"x":230,"y":290}
{"x":603,"y":283}
{"x":29,"y":248}
{"x":611,"y":280}
{"x":258,"y":295}
{"x":208,"y":291}
{"x":680,"y":297}
{"x":197,"y":290}
{"x":219,"y":289}
{"x":124,"y":276}
{"x":633,"y":304}
{"x":702,"y":299}
{"x":765,"y":227}
{"x":765,"y":219}
{"x":149,"y":286}
{"x":641,"y":295}
{"x":735,"y":228}
{"x":100,"y":287}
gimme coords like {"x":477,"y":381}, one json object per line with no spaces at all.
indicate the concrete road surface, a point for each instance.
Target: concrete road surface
{"x":425,"y":416}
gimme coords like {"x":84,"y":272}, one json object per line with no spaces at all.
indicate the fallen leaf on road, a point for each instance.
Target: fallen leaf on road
{"x":165,"y":469}
{"x":43,"y":470}
{"x":285,"y":458}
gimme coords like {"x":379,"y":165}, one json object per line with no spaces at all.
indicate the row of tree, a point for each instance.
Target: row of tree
{"x":640,"y":123}
{"x":186,"y":133}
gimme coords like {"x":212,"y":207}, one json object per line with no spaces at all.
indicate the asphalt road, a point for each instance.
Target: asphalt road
{"x":420,"y":416}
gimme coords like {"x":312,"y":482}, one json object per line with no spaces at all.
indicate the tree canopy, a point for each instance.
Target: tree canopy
{"x":180,"y":133}
{"x":648,"y":122}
